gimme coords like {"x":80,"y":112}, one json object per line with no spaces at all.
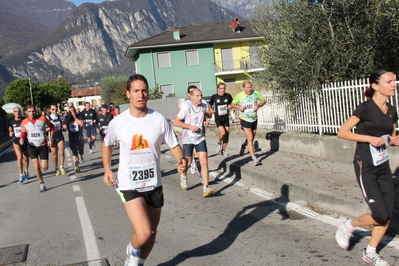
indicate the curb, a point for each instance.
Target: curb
{"x":5,"y":145}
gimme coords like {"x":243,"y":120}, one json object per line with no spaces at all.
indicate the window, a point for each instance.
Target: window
{"x":163,"y":60}
{"x":167,"y":90}
{"x":233,"y":80}
{"x":192,"y":58}
{"x":196,"y":83}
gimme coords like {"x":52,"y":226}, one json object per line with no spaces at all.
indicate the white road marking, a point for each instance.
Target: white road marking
{"x":92,"y":252}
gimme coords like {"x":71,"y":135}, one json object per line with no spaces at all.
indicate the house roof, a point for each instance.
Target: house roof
{"x":196,"y":33}
{"x":85,"y":92}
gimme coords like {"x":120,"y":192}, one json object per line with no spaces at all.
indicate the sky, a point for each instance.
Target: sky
{"x":79,"y":2}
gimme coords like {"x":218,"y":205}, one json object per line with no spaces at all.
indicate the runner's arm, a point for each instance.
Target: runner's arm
{"x":106,"y":153}
{"x":346,"y":133}
{"x":177,"y":152}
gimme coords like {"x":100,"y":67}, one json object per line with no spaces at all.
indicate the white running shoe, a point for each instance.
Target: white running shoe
{"x":207,"y":192}
{"x":42,"y":187}
{"x":242,"y":148}
{"x":224,"y":153}
{"x":183,"y":182}
{"x":343,"y":234}
{"x":132,"y":259}
{"x":256,"y":161}
{"x":373,"y":257}
{"x":193,"y":168}
{"x":218,"y":147}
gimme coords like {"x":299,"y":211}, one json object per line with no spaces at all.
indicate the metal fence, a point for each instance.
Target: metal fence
{"x":321,"y":112}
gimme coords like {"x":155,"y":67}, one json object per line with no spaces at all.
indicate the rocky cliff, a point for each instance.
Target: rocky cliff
{"x":93,"y":38}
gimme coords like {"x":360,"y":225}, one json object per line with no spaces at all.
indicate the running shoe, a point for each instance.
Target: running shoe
{"x":183,"y":182}
{"x":193,"y":168}
{"x":91,"y":151}
{"x":42,"y":187}
{"x":373,"y":257}
{"x":133,"y":258}
{"x":256,"y":161}
{"x":62,"y":170}
{"x":94,"y":146}
{"x":218,"y":147}
{"x":76,"y":169}
{"x":242,"y":148}
{"x":21,"y":179}
{"x":57,"y":171}
{"x":81,"y":159}
{"x":26,"y":175}
{"x":224,"y":153}
{"x":207,"y":192}
{"x":343,"y":234}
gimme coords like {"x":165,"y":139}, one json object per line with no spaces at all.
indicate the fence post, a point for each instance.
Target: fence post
{"x":318,"y":109}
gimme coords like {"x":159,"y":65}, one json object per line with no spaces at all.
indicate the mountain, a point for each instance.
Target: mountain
{"x":242,"y":7}
{"x":93,"y":38}
{"x":24,"y":22}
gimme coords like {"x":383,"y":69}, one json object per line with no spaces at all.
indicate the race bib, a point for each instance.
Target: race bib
{"x":194,"y":135}
{"x":143,"y":177}
{"x":57,"y":125}
{"x":222,"y":109}
{"x":17,"y":132}
{"x":380,"y":154}
{"x":36,"y":136}
{"x":88,"y":122}
{"x":73,"y":127}
{"x":249,"y":107}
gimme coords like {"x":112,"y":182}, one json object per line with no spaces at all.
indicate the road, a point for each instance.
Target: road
{"x":79,"y":219}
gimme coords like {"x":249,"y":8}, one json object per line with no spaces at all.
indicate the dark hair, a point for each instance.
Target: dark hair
{"x":134,"y":78}
{"x":191,"y":87}
{"x":221,"y":83}
{"x":374,"y":78}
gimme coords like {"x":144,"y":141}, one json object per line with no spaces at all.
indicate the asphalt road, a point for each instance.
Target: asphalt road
{"x":79,"y":219}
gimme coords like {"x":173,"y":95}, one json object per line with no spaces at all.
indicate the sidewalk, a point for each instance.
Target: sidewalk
{"x":328,"y":185}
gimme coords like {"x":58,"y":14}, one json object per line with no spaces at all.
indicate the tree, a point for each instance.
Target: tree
{"x":18,"y":91}
{"x":56,"y":91}
{"x":118,"y":97}
{"x":109,"y":85}
{"x":155,"y":93}
{"x":311,"y":42}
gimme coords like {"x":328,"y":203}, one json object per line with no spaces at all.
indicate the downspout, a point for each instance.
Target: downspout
{"x":153,"y":69}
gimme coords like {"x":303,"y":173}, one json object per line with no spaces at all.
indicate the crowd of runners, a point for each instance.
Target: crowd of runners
{"x":139,"y":133}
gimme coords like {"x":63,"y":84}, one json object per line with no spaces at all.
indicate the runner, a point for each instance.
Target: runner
{"x":21,"y":151}
{"x":34,"y":129}
{"x":141,"y":131}
{"x":103,"y":120}
{"x":375,"y":121}
{"x":222,"y":101}
{"x":112,"y":109}
{"x":58,"y":142}
{"x":247,"y":102}
{"x":74,"y":123}
{"x":90,"y":118}
{"x":191,"y":119}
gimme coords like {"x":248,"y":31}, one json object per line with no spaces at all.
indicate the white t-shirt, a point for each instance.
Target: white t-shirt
{"x":140,"y":142}
{"x":193,"y":116}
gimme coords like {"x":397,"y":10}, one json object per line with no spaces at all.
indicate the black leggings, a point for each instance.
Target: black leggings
{"x":377,"y":188}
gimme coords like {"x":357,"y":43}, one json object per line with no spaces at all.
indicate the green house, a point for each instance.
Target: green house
{"x":198,"y":54}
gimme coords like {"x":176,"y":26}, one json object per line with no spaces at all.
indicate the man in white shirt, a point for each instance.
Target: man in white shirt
{"x":140,"y":132}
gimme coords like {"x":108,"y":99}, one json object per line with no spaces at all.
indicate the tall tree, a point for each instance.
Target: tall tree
{"x":18,"y":91}
{"x":56,"y":91}
{"x":311,"y":42}
{"x":109,"y":85}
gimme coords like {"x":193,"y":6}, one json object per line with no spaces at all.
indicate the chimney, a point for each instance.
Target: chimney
{"x":176,"y":33}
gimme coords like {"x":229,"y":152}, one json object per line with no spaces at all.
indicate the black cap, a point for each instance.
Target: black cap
{"x":104,"y":106}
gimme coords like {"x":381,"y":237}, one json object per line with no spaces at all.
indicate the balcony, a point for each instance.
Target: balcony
{"x":236,"y":66}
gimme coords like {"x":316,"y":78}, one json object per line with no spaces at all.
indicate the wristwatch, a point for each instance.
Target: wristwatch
{"x":184,"y":158}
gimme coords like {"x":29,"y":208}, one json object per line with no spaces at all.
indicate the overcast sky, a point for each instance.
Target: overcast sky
{"x":79,"y":2}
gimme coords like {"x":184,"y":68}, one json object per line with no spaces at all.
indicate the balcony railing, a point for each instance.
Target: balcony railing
{"x":236,"y":65}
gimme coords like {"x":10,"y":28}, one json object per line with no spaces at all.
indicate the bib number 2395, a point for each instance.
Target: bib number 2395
{"x":143,"y":178}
